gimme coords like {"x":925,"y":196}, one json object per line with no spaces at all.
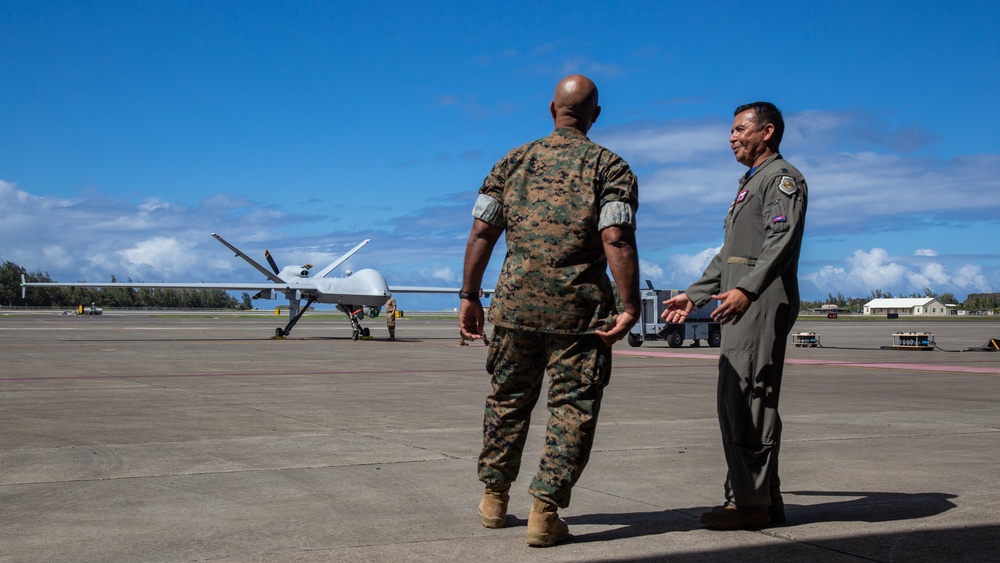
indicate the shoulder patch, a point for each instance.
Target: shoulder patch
{"x":787,"y":185}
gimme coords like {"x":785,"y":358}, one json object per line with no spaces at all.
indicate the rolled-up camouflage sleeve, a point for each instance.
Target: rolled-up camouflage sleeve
{"x":616,"y":214}
{"x":620,"y":196}
{"x":488,"y":210}
{"x":489,"y":204}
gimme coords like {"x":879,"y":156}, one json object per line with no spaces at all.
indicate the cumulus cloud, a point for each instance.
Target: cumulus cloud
{"x":159,"y":254}
{"x":650,"y":270}
{"x":93,"y":238}
{"x":441,"y":273}
{"x":929,"y":276}
{"x":678,"y":270}
{"x":876,"y":269}
{"x":691,"y":267}
{"x":970,"y":276}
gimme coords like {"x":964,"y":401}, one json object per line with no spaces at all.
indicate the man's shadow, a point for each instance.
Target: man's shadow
{"x":861,"y":507}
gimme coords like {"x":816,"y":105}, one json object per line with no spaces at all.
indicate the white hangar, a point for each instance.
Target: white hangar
{"x":916,"y":306}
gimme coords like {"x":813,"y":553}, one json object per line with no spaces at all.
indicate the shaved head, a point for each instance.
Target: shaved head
{"x":574,"y":103}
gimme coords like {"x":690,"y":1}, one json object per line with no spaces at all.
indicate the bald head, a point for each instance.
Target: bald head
{"x":574,"y":103}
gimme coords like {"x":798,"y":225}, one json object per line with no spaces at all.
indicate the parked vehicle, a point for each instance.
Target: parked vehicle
{"x":698,"y":326}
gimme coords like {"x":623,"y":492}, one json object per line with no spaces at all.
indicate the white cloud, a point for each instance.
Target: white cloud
{"x":679,"y":271}
{"x":930,"y":276}
{"x":970,"y":276}
{"x":876,"y":269}
{"x":692,"y":266}
{"x":924,"y":252}
{"x":164,"y":255}
{"x":93,"y":238}
{"x":869,"y":269}
{"x":650,"y":270}
{"x":443,"y":273}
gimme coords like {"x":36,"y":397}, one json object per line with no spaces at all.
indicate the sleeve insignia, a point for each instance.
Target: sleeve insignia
{"x":787,"y":185}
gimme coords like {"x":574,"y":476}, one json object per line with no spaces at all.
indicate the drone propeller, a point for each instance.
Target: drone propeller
{"x":267,"y":254}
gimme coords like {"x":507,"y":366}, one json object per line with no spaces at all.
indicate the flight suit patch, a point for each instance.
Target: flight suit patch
{"x":779,"y":223}
{"x":787,"y":185}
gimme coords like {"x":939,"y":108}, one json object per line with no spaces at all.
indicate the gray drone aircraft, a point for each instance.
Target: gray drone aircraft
{"x":358,"y":293}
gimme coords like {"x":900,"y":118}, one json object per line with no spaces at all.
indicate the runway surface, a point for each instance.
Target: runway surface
{"x":134,"y":438}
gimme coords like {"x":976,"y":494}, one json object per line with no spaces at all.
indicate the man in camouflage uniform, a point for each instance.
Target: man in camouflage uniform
{"x":390,"y":317}
{"x":755,"y":278}
{"x":568,"y":208}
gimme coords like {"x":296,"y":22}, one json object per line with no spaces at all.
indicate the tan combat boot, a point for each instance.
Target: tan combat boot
{"x":493,"y":507}
{"x":545,"y":527}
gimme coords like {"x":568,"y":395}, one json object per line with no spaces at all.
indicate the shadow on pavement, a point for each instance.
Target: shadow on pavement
{"x":867,"y":507}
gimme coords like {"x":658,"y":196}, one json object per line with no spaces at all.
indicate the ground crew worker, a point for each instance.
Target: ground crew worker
{"x":390,"y":317}
{"x":755,"y":278}
{"x":567,"y":206}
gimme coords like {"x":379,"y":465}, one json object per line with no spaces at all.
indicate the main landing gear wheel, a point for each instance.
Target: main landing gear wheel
{"x":634,"y":341}
{"x":279,"y":333}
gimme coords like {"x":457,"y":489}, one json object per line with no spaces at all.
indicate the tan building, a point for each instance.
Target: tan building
{"x":915,"y":306}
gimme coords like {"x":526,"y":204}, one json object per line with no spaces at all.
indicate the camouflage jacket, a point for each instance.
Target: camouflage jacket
{"x":553,"y":196}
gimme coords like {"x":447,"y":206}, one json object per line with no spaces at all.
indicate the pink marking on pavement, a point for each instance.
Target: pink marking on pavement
{"x":796,"y":361}
{"x":273,"y":374}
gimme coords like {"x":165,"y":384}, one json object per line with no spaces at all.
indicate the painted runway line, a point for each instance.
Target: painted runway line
{"x":835,"y":363}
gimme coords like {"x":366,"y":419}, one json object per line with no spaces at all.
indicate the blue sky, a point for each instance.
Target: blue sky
{"x":133,"y":130}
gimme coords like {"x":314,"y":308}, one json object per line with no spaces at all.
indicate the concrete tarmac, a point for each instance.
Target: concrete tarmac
{"x":133,"y":438}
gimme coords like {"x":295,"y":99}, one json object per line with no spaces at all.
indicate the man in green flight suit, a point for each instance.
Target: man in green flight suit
{"x":567,"y":206}
{"x":755,"y":278}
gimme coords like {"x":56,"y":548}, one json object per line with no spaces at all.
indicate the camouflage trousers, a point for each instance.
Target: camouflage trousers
{"x":579,"y":367}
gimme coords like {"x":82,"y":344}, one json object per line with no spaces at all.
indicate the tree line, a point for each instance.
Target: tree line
{"x":118,"y":297}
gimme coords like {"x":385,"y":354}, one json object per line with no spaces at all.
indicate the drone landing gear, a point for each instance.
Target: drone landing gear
{"x":359,"y":332}
{"x":280,"y":333}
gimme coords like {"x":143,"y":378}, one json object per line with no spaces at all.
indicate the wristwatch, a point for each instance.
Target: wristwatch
{"x":468,"y":295}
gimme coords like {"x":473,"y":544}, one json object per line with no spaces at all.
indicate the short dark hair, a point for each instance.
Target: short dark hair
{"x":764,"y":113}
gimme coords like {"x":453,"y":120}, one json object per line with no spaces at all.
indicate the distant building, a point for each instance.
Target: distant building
{"x":827,"y":309}
{"x":916,"y":306}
